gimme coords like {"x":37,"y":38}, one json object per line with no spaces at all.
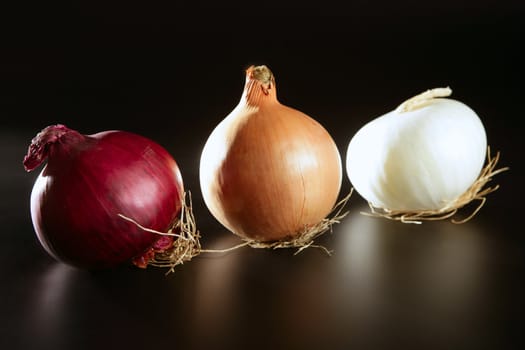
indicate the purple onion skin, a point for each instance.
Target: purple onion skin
{"x":90,"y":179}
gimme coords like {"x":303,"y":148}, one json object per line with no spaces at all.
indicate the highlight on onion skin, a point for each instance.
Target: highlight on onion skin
{"x":88,"y":181}
{"x":269,"y":172}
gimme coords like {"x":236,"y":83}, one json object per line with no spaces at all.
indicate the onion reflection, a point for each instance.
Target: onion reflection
{"x":360,"y":264}
{"x":216,"y":290}
{"x":48,"y":312}
{"x":392,"y":274}
{"x":262,"y":295}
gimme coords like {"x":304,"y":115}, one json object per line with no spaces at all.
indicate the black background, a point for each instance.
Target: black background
{"x":171,"y":71}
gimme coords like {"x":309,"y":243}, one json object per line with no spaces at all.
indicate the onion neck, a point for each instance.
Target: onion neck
{"x":259,"y":88}
{"x":423,"y":99}
{"x":47,"y":140}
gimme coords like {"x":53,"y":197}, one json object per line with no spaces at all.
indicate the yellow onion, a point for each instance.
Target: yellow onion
{"x":269,"y":172}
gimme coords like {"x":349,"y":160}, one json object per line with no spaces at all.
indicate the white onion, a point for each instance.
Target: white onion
{"x":420,"y":157}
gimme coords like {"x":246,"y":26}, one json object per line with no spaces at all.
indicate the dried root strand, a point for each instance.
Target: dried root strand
{"x":186,"y":243}
{"x":475,"y":192}
{"x":186,"y":246}
{"x":309,"y":234}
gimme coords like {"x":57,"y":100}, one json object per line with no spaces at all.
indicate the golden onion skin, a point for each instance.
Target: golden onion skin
{"x":268,"y":171}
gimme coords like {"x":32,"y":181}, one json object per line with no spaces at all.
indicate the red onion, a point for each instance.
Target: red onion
{"x":88,"y":181}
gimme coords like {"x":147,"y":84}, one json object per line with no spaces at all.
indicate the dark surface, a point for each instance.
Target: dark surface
{"x":171,"y":73}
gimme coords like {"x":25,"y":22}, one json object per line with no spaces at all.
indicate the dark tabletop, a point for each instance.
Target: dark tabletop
{"x":171,"y":73}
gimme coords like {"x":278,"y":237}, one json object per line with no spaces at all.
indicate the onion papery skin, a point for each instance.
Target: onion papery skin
{"x":88,"y":181}
{"x":418,"y":160}
{"x":268,"y":171}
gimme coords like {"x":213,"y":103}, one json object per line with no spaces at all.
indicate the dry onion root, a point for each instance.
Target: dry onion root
{"x":186,"y":243}
{"x":476,"y":192}
{"x":302,"y":240}
{"x":180,"y":247}
{"x":305,"y":239}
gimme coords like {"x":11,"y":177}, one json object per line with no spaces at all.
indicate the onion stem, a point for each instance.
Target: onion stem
{"x":264,"y":75}
{"x":423,"y":99}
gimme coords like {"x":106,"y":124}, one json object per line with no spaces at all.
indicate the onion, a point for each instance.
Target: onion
{"x":90,"y":183}
{"x":422,"y":160}
{"x":269,"y":172}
